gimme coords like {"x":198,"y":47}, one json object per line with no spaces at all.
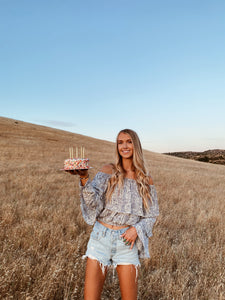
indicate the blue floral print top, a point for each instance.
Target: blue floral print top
{"x":124,"y":208}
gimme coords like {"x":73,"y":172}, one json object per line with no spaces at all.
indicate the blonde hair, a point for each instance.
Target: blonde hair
{"x":141,"y":175}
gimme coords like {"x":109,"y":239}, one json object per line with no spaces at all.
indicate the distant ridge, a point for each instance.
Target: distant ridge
{"x":215,"y":156}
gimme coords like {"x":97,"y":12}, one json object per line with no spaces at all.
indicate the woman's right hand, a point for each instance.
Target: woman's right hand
{"x":81,"y":173}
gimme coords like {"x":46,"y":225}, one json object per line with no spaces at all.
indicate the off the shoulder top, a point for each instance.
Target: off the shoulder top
{"x":124,"y":208}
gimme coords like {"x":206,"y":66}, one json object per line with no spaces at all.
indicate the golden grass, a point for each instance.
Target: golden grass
{"x":43,"y":235}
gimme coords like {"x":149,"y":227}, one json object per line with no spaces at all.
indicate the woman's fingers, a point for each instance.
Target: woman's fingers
{"x":127,"y":240}
{"x":83,"y":172}
{"x":78,"y":172}
{"x":129,"y":236}
{"x":72,"y":172}
{"x":130,"y":233}
{"x":132,"y":245}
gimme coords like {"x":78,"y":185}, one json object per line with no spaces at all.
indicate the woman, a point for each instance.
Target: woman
{"x":121,"y":202}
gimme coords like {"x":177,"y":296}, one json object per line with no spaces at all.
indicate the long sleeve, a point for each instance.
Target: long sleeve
{"x":92,"y":197}
{"x":145,"y":225}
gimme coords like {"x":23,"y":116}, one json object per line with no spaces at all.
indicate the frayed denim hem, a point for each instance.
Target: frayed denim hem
{"x":114,"y":266}
{"x":128,"y":264}
{"x":102,"y":266}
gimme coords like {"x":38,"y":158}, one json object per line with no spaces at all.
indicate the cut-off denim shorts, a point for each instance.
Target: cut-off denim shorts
{"x":108,"y":248}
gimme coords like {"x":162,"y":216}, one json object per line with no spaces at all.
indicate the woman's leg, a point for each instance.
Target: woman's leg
{"x":94,"y":280}
{"x":128,"y":281}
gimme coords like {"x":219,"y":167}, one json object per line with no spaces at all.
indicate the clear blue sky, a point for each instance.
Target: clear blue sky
{"x":97,"y":66}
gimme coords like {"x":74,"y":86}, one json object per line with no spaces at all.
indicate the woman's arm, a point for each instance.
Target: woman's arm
{"x":143,"y":228}
{"x":93,"y":191}
{"x":92,"y":196}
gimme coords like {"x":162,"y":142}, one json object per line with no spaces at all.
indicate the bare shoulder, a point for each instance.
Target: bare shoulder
{"x":108,"y":169}
{"x":150,"y":180}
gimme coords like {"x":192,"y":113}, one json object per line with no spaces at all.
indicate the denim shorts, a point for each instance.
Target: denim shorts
{"x":107,"y":246}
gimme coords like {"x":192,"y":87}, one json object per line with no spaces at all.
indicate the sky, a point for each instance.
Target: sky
{"x":96,"y":67}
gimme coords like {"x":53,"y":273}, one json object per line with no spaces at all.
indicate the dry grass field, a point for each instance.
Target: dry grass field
{"x":43,"y":235}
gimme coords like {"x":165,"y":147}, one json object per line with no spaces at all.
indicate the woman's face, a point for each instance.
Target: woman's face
{"x":125,"y":145}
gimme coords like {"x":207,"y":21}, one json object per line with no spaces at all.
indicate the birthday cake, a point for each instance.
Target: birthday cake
{"x":76,"y":164}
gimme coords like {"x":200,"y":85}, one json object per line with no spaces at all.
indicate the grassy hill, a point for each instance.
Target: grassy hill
{"x":43,"y":235}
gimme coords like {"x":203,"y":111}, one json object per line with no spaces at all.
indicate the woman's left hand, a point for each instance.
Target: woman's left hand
{"x":129,"y":236}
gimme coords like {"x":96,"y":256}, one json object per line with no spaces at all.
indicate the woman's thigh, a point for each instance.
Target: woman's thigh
{"x":127,"y":275}
{"x":94,"y":280}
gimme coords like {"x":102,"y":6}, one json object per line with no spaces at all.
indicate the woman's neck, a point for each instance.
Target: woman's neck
{"x":128,"y":168}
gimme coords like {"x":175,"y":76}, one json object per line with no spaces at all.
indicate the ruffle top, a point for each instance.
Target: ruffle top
{"x":124,"y":208}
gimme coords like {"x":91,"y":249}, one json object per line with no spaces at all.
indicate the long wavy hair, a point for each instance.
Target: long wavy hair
{"x":141,"y":175}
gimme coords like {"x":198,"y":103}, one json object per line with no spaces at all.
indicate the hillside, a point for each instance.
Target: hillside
{"x":43,"y":235}
{"x":215,"y":156}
